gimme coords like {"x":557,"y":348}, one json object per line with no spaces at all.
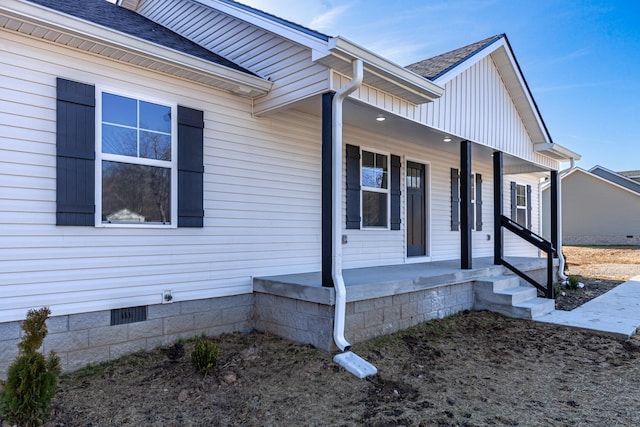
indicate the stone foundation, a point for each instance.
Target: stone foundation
{"x":601,"y":240}
{"x":88,"y":338}
{"x":312,"y":323}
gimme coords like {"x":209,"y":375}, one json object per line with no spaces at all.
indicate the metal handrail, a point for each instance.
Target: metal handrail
{"x":538,"y":242}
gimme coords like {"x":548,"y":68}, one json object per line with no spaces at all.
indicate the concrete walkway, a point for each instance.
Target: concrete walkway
{"x":616,"y":312}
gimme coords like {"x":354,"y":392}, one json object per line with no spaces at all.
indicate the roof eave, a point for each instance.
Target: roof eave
{"x":405,"y":83}
{"x":138,"y":52}
{"x":556,"y":151}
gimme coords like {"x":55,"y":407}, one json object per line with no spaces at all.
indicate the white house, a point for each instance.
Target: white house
{"x":213,"y":124}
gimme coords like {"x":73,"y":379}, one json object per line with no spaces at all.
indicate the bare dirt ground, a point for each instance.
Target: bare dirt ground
{"x":473,"y":369}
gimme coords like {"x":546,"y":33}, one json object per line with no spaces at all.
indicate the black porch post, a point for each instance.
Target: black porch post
{"x":327,"y":203}
{"x":465,"y":205}
{"x":554,"y":211}
{"x":497,"y":207}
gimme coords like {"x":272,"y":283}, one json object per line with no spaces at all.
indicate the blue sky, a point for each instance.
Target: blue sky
{"x":581,"y":59}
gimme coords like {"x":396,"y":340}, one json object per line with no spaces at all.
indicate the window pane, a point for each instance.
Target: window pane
{"x":374,"y":170}
{"x":135,"y":193}
{"x":120,"y":110}
{"x":374,"y":209}
{"x":119,"y":140}
{"x":155,"y":146}
{"x":521,"y":217}
{"x":155,"y":117}
{"x":521,"y":195}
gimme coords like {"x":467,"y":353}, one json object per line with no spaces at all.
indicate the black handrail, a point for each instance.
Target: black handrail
{"x":540,"y":243}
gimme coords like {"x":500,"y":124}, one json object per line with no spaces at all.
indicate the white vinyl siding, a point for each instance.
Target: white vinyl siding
{"x":261,"y":196}
{"x":267,"y":55}
{"x":477,"y":106}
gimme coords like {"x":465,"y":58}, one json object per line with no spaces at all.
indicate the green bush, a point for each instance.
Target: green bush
{"x":31,"y":379}
{"x":573,"y":282}
{"x":204,"y":355}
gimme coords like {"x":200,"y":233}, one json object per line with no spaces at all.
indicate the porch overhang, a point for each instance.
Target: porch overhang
{"x":51,"y":26}
{"x":378,"y":72}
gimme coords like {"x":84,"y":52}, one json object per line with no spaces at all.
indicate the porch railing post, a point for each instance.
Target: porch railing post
{"x":465,"y":206}
{"x":327,"y":202}
{"x":554,"y":211}
{"x":497,"y":207}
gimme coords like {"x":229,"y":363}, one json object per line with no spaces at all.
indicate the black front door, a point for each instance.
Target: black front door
{"x":416,"y":210}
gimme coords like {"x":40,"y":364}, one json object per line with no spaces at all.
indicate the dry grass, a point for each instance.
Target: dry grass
{"x":604,"y":262}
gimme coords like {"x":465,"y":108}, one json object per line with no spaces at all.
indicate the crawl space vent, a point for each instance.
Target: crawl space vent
{"x":121,"y":316}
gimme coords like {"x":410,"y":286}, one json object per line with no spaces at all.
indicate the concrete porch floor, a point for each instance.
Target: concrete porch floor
{"x":376,"y":282}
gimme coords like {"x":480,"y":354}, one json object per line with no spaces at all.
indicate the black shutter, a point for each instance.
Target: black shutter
{"x":353,"y":187}
{"x":190,"y":167}
{"x":478,"y":202}
{"x":395,"y":192}
{"x":514,"y":202}
{"x":529,"y":207}
{"x":455,"y":200}
{"x":75,"y":153}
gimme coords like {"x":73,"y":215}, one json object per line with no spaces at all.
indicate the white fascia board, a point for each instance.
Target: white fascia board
{"x":477,"y":57}
{"x":266,"y":23}
{"x":382,"y":68}
{"x":86,"y":30}
{"x":556,"y":151}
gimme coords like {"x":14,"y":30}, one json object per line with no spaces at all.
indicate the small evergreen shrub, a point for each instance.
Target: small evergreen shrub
{"x":204,"y":355}
{"x":31,"y":379}
{"x":573,"y":282}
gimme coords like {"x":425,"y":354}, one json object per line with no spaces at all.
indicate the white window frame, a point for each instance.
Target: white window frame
{"x":473,"y":200}
{"x":170,"y":164}
{"x":386,"y":191}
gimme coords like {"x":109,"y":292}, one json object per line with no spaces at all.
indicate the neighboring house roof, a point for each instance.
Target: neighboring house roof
{"x":634,"y":174}
{"x":432,"y":68}
{"x":615,"y":177}
{"x":126,"y":21}
{"x":596,"y":173}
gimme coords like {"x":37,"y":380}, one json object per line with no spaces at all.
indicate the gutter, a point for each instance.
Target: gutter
{"x":561,"y":260}
{"x":348,"y":360}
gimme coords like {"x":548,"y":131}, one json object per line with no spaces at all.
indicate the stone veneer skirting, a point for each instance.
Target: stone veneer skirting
{"x":88,"y":338}
{"x":312,"y":323}
{"x":296,"y":312}
{"x":598,"y":239}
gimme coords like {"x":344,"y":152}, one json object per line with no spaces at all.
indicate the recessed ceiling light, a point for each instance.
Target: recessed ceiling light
{"x":447,"y":138}
{"x":380,"y":118}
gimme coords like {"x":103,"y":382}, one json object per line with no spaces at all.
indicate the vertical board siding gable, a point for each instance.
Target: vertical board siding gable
{"x":75,"y":153}
{"x":396,"y":165}
{"x":190,"y":167}
{"x":353,"y":187}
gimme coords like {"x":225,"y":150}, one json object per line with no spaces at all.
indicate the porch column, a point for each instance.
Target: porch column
{"x":554,"y":211}
{"x":465,"y":205}
{"x":327,"y":203}
{"x":497,"y":207}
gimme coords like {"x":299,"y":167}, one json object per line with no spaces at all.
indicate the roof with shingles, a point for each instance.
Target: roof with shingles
{"x":120,"y":19}
{"x":432,"y":68}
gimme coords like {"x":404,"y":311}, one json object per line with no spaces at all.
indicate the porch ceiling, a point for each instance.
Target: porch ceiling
{"x":364,"y":116}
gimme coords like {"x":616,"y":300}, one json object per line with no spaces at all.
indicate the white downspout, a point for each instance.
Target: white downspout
{"x":347,"y":359}
{"x":336,"y":182}
{"x":561,"y":260}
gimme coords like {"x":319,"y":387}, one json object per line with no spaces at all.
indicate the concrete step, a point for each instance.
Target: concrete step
{"x":497,"y":283}
{"x":509,"y":296}
{"x":537,"y":307}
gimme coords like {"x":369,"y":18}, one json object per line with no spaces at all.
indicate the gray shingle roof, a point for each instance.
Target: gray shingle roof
{"x":433,"y":68}
{"x":117,"y":18}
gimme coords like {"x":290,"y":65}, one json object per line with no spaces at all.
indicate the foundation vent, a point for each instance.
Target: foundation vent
{"x":121,"y":316}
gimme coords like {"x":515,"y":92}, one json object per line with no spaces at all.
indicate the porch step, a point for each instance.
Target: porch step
{"x":505,"y":295}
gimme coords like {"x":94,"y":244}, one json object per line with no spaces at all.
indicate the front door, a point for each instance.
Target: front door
{"x":416,"y":210}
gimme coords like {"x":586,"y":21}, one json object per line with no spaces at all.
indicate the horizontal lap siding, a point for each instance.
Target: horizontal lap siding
{"x":514,"y":245}
{"x":261,"y":196}
{"x":385,"y":247}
